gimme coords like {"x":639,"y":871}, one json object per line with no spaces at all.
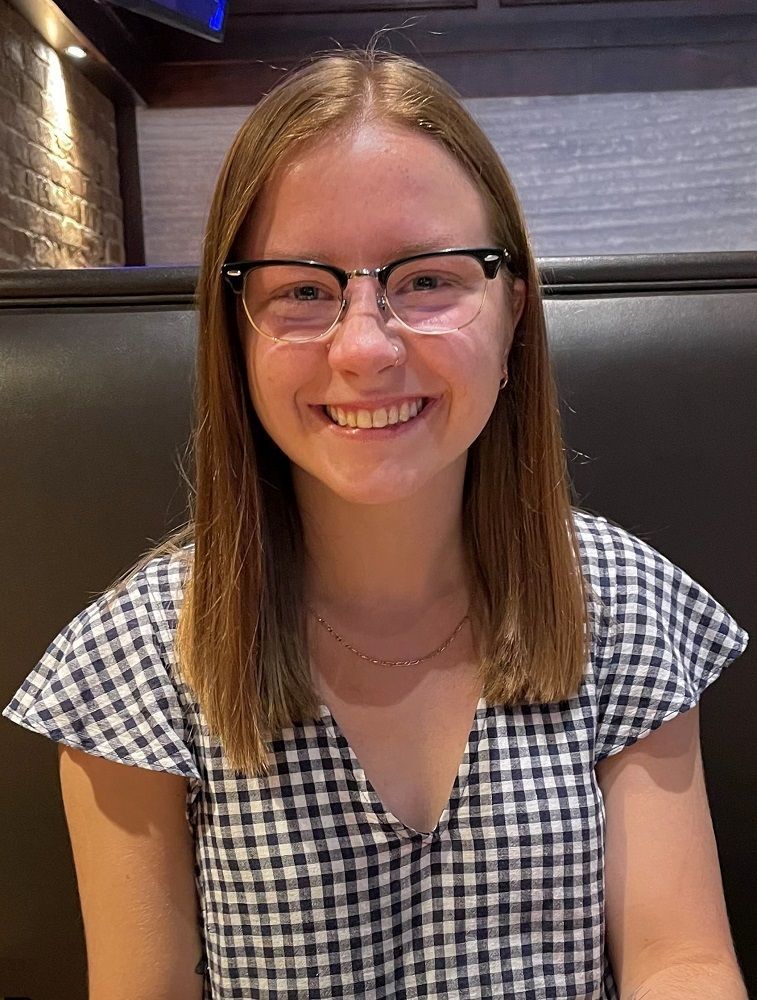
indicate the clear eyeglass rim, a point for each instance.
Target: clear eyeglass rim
{"x":491,"y":260}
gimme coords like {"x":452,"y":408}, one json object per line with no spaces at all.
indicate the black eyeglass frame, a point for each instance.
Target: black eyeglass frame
{"x":491,"y":260}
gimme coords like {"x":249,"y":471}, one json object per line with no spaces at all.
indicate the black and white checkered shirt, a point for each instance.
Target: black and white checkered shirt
{"x":310,"y":888}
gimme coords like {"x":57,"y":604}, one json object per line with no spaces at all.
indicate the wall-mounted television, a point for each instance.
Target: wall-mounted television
{"x":206,"y":18}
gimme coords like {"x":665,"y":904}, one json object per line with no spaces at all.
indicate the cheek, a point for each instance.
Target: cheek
{"x":264,"y":386}
{"x":474,"y":358}
{"x":276,"y":373}
{"x":253,"y":369}
{"x":479,"y":365}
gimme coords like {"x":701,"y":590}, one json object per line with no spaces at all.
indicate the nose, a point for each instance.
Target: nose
{"x":361,"y":342}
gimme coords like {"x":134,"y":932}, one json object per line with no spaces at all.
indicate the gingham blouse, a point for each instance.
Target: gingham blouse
{"x":310,"y":888}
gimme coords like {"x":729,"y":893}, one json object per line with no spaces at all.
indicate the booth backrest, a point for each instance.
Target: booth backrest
{"x":656,"y":361}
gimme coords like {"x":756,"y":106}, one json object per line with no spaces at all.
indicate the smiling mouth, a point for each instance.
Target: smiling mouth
{"x":380,"y":417}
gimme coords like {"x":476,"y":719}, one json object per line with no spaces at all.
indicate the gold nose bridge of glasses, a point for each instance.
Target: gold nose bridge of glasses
{"x":365,"y":272}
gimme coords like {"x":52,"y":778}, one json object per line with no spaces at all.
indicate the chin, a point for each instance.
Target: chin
{"x":374,"y":493}
{"x":374,"y":487}
{"x":381,"y":483}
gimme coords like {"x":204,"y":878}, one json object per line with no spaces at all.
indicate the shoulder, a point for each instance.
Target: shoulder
{"x":660,"y":638}
{"x":606,"y":547}
{"x":645,"y":605}
{"x":107,"y":685}
{"x":135,"y":619}
{"x":624,"y":571}
{"x":640,"y":587}
{"x":152,"y":593}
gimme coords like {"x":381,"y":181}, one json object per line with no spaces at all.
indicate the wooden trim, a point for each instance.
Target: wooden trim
{"x":528,"y":50}
{"x":560,"y":3}
{"x":130,"y":185}
{"x":256,"y":37}
{"x":290,"y":7}
{"x":489,"y":74}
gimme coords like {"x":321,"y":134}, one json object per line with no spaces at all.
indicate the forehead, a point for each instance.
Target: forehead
{"x":361,"y":198}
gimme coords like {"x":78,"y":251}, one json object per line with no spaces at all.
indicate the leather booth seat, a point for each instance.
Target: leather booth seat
{"x":656,"y":361}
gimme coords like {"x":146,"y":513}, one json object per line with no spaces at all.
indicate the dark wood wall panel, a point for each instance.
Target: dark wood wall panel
{"x":488,"y":48}
{"x":341,"y":6}
{"x":446,"y":32}
{"x":521,"y":73}
{"x":486,"y":52}
{"x":597,"y":174}
{"x":473,"y":74}
{"x":555,"y":3}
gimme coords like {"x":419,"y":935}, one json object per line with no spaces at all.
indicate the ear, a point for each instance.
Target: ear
{"x":517,"y":299}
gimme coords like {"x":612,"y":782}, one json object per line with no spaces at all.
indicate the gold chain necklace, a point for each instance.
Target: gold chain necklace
{"x":387,"y":663}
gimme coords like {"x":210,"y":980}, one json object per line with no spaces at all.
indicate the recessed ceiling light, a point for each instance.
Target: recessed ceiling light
{"x":75,"y":51}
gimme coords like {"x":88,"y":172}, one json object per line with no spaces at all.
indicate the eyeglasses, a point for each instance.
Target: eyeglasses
{"x":301,"y":300}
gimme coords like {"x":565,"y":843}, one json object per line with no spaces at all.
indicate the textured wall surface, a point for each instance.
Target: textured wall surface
{"x":601,"y":173}
{"x":671,"y":172}
{"x":59,"y":186}
{"x":188,"y":145}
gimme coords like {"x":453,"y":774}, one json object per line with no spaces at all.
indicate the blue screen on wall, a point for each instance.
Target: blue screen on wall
{"x":201,"y":17}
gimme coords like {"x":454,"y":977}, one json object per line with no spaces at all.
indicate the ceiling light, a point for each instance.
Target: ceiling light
{"x":75,"y":51}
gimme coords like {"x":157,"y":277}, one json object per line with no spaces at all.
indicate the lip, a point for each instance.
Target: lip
{"x":376,"y":433}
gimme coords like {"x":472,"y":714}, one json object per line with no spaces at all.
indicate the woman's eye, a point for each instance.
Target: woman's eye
{"x":307,"y":293}
{"x":424,"y":282}
{"x":420,"y":283}
{"x":302,"y":293}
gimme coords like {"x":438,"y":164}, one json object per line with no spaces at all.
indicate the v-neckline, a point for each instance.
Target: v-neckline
{"x":371,"y":800}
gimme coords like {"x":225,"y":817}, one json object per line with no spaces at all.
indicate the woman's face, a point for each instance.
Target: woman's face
{"x":361,"y":201}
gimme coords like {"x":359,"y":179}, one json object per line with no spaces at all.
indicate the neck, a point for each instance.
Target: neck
{"x":399,"y":561}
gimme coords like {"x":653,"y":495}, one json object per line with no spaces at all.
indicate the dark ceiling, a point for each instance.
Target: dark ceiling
{"x":483,"y":47}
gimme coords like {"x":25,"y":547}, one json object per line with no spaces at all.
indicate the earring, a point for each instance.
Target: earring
{"x":503,"y":381}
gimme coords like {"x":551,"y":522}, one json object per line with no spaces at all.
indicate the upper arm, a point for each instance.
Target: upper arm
{"x":134,"y":861}
{"x":664,"y":892}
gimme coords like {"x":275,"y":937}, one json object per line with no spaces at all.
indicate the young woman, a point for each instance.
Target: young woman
{"x":384,"y":698}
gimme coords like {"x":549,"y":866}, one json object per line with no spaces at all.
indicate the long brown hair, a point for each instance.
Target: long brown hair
{"x":241,"y":640}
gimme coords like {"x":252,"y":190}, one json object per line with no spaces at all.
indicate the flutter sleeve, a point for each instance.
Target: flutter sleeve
{"x":666,"y":639}
{"x":103,"y":686}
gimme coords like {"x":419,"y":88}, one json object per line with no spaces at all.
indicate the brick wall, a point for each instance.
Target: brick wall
{"x":59,"y":196}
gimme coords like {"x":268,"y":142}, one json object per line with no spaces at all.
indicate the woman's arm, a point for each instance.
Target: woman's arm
{"x":664,"y":892}
{"x":134,"y":863}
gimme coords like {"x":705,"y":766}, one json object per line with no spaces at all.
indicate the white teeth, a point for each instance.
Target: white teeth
{"x":375,"y":418}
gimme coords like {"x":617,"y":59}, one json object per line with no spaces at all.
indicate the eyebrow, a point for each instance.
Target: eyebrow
{"x":399,"y":251}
